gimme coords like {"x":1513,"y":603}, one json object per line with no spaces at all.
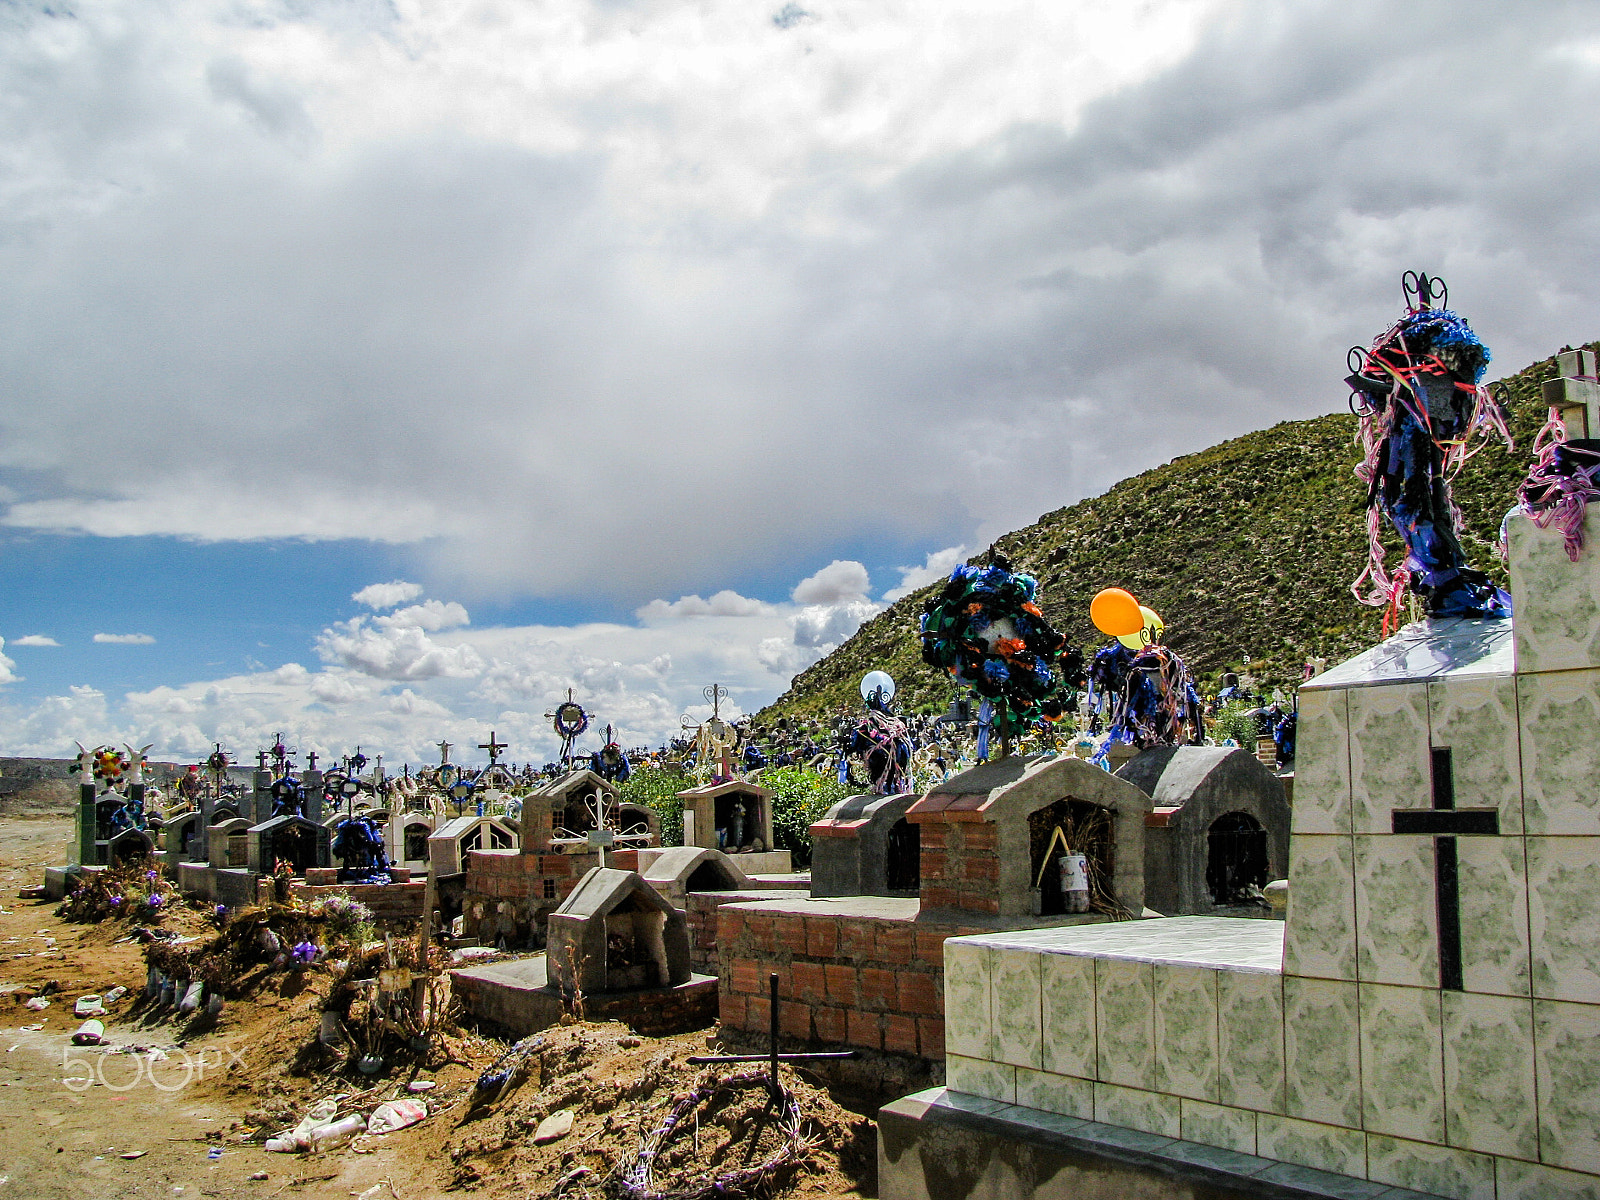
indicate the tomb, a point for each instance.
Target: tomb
{"x":617,"y":951}
{"x":1218,"y":831}
{"x":128,"y":846}
{"x":228,"y":843}
{"x":408,"y":839}
{"x":615,"y":933}
{"x":301,"y":843}
{"x":868,"y":971}
{"x":736,"y":818}
{"x":1426,"y":1017}
{"x":865,"y":846}
{"x":185,"y":838}
{"x":449,"y":845}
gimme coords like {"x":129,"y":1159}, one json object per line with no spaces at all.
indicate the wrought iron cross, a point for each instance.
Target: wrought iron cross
{"x":493,"y":747}
{"x":1444,"y":822}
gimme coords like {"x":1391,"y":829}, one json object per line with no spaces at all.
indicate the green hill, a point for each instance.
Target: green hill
{"x":1245,"y":549}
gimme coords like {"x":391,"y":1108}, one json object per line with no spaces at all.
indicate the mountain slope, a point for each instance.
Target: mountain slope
{"x":1245,"y":549}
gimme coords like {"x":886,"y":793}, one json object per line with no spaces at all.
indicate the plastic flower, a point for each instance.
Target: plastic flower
{"x":115,"y":901}
{"x":153,"y":901}
{"x":149,"y":874}
{"x":303,"y":953}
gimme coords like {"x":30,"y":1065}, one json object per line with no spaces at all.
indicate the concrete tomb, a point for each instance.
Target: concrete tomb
{"x":616,"y":933}
{"x":736,"y":818}
{"x":1428,"y":1015}
{"x":298,"y":841}
{"x":449,"y":844}
{"x":1218,"y":831}
{"x":865,"y":846}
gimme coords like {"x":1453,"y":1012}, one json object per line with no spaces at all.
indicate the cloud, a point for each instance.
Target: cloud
{"x":840,"y":582}
{"x":938,"y":566}
{"x":125,"y":639}
{"x":395,"y":652}
{"x":36,"y":639}
{"x":723,"y":604}
{"x":387,"y":595}
{"x":432,"y":615}
{"x":7,"y":666}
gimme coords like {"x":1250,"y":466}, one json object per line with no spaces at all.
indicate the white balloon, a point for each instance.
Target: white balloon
{"x":874,"y":680}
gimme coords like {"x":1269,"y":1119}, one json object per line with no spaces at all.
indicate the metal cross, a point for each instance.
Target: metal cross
{"x":1444,"y":822}
{"x":772,"y":1056}
{"x":493,"y":747}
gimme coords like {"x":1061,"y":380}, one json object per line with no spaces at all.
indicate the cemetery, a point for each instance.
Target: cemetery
{"x":1046,"y":942}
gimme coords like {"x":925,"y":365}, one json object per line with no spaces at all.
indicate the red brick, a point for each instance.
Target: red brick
{"x":933,"y":863}
{"x":794,"y":1020}
{"x":918,"y":992}
{"x":939,"y":897}
{"x":747,"y":977}
{"x":730,"y":924}
{"x":829,"y":1023}
{"x":841,"y":984}
{"x":877,"y":989}
{"x":822,"y":936}
{"x":759,"y":929}
{"x":980,"y":866}
{"x":807,"y":981}
{"x":896,"y":943}
{"x":935,"y":835}
{"x":985,"y":902}
{"x":730,"y":1009}
{"x":757,"y":1014}
{"x":790,"y":933}
{"x":900,"y":1034}
{"x":984,"y":836}
{"x":930,"y":1033}
{"x":857,"y":940}
{"x":930,"y":948}
{"x":863,"y":1030}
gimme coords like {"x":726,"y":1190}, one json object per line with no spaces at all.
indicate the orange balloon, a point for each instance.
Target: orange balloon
{"x":1115,"y":613}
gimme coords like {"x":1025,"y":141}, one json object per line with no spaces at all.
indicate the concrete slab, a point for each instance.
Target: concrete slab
{"x":517,"y":997}
{"x":939,"y":1145}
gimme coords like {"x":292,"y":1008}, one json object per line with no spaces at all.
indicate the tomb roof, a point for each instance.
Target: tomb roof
{"x":1432,"y":649}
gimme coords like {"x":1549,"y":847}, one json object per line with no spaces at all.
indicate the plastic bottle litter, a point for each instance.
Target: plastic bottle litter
{"x":191,"y":996}
{"x":396,"y":1114}
{"x":214,"y":1004}
{"x":152,"y":983}
{"x":88,"y":1006}
{"x":115,"y":994}
{"x":38,"y":1004}
{"x":169,"y":993}
{"x":325,"y":1137}
{"x":90,"y":1033}
{"x":299,"y":1138}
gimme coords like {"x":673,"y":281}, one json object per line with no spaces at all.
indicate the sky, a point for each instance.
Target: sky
{"x":374,"y":372}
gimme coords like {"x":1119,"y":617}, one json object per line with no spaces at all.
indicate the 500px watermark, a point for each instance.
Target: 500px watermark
{"x":164,"y":1070}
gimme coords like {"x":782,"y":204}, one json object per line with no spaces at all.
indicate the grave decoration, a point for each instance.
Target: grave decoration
{"x":986,"y":631}
{"x":358,"y":844}
{"x":609,"y":762}
{"x":714,"y":740}
{"x":1424,"y":411}
{"x":880,"y":740}
{"x":1144,"y":686}
{"x":1565,"y":476}
{"x":570,"y":722}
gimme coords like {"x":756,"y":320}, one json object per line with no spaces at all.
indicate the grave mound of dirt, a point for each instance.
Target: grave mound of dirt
{"x":648,"y":1123}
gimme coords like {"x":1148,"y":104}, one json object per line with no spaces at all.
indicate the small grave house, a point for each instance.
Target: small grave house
{"x":865,"y":846}
{"x":1218,"y":831}
{"x":616,"y":933}
{"x":448,"y":845}
{"x":298,"y":841}
{"x":736,"y":818}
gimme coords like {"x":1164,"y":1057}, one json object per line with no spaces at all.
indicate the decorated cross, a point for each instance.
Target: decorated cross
{"x":493,"y":747}
{"x":1444,"y":822}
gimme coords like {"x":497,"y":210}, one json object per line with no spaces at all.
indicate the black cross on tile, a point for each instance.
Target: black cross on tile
{"x":1444,"y":822}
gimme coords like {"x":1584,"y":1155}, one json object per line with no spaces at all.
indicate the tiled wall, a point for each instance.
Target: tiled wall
{"x":1353,"y":1060}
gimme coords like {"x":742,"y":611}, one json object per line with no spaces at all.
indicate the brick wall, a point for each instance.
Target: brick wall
{"x":868,"y":982}
{"x":516,"y":880}
{"x":700,"y":910}
{"x":960,"y":866}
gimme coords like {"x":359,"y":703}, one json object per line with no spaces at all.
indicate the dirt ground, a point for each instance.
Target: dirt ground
{"x":194,"y":1100}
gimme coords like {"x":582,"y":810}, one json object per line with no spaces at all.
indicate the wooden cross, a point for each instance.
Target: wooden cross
{"x":1444,"y":822}
{"x":493,"y":747}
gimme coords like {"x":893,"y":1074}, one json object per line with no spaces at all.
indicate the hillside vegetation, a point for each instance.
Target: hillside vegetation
{"x":1245,"y":549}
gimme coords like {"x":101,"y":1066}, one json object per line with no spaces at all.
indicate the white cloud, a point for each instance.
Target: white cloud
{"x":938,"y":566}
{"x":432,"y":615}
{"x":395,"y":652}
{"x":7,"y":666}
{"x":36,"y":639}
{"x":723,"y":604}
{"x":125,"y":639}
{"x":387,"y":595}
{"x":840,"y":582}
